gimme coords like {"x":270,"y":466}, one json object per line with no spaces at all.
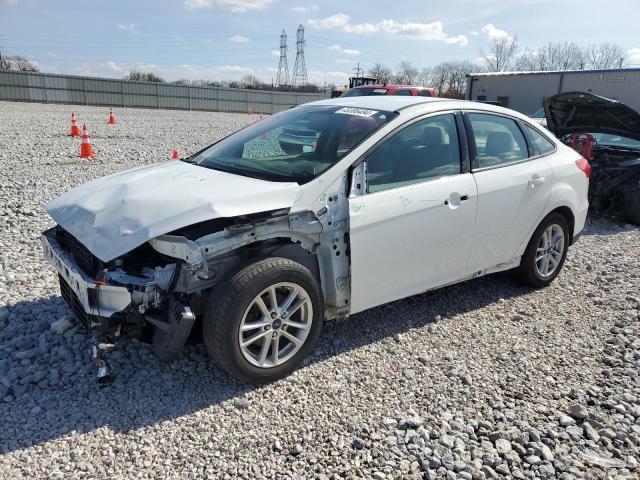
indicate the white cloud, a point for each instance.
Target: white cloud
{"x":7,"y":2}
{"x":305,"y":9}
{"x":634,"y":55}
{"x":492,"y":32}
{"x":239,"y":39}
{"x":430,"y":32}
{"x":113,"y":66}
{"x":320,"y":77}
{"x":233,"y":5}
{"x":345,"y":51}
{"x":339,"y":20}
{"x":171,"y":72}
{"x":275,"y":53}
{"x":127,"y":27}
{"x":343,"y":61}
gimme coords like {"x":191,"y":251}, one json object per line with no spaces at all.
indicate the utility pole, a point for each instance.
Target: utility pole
{"x":5,"y":64}
{"x":282,"y":78}
{"x":300,"y":68}
{"x":357,"y":69}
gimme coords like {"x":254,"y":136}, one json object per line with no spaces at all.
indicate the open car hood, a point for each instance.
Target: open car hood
{"x":115,"y":214}
{"x":576,"y":112}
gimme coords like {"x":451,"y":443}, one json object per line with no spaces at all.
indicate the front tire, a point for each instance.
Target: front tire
{"x":546,"y":252}
{"x":262,"y":322}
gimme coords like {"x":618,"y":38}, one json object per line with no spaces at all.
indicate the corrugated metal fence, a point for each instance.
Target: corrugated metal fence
{"x":52,"y":88}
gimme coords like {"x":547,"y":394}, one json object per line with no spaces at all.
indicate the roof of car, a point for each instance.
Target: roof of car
{"x":415,"y":105}
{"x":380,"y":102}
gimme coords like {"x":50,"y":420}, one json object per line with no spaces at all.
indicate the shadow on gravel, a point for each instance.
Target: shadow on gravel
{"x":146,"y":392}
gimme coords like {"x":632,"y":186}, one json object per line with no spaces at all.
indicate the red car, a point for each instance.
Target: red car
{"x":369,"y":90}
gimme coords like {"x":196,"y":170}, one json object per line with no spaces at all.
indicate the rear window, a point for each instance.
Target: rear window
{"x":498,"y":140}
{"x":542,"y":144}
{"x":364,"y":92}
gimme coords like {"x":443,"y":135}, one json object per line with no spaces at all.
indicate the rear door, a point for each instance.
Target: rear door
{"x":412,"y":229}
{"x":513,"y":188}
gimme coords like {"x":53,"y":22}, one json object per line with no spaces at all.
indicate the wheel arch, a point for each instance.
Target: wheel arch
{"x":564,"y":210}
{"x":568,"y":215}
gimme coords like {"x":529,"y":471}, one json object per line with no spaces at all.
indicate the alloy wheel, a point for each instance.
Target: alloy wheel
{"x":275,"y":325}
{"x":550,"y":250}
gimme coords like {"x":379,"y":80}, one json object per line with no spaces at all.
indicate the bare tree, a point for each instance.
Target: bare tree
{"x":501,"y":54}
{"x":252,"y":81}
{"x":605,"y":55}
{"x":139,"y":76}
{"x":5,"y":64}
{"x":21,"y":64}
{"x":448,"y":78}
{"x":381,"y":72}
{"x":553,"y":56}
{"x":407,"y":74}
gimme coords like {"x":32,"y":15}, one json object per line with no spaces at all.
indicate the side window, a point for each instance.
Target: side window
{"x":543,"y":144}
{"x":424,"y":93}
{"x":498,"y":140}
{"x":404,"y":91}
{"x":425,"y":150}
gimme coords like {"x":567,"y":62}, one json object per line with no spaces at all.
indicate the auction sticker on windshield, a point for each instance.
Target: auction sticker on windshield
{"x":361,"y":112}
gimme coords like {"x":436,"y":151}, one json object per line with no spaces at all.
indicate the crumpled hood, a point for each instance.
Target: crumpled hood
{"x":115,"y":214}
{"x":577,"y":112}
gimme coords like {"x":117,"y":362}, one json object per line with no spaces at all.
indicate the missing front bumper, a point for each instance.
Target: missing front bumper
{"x":86,"y":298}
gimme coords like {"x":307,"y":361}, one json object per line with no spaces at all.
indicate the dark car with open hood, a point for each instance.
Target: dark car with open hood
{"x":607,"y":133}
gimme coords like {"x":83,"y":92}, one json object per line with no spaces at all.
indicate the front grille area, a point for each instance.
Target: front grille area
{"x":72,"y":300}
{"x":81,"y":256}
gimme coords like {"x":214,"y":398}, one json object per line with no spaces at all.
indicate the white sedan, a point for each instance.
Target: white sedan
{"x":318,"y":212}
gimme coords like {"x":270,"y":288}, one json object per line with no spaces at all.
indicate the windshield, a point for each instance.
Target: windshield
{"x":295,"y":145}
{"x":364,"y":92}
{"x":615,"y":141}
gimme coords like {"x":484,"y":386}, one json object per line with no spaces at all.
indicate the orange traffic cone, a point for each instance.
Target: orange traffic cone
{"x":112,"y":117}
{"x":85,"y":147}
{"x":249,"y":111}
{"x":75,"y":131}
{"x":175,"y":155}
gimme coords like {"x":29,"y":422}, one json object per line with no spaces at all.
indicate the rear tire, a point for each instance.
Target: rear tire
{"x":546,"y":252}
{"x":243,"y":327}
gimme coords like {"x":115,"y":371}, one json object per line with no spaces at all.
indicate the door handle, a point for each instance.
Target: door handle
{"x":454,"y":200}
{"x":536,"y":180}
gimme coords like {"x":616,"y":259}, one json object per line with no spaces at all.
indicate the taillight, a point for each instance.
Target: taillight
{"x":583,"y":165}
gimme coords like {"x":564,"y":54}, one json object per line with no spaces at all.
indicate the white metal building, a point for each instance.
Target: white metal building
{"x":524,"y":91}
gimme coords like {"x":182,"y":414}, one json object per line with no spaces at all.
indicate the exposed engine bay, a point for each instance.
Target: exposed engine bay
{"x":607,"y":133}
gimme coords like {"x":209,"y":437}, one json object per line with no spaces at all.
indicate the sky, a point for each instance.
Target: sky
{"x":226,"y":39}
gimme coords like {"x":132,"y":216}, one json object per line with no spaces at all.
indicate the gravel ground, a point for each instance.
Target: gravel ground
{"x":481,"y":380}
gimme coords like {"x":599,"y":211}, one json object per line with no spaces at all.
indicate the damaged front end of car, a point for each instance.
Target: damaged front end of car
{"x":607,"y":133}
{"x":158,"y":290}
{"x":115,"y":299}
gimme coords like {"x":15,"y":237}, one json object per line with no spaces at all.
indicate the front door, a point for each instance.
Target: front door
{"x":413,"y":228}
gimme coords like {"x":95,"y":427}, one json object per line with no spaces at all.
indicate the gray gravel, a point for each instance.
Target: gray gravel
{"x":481,"y":380}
